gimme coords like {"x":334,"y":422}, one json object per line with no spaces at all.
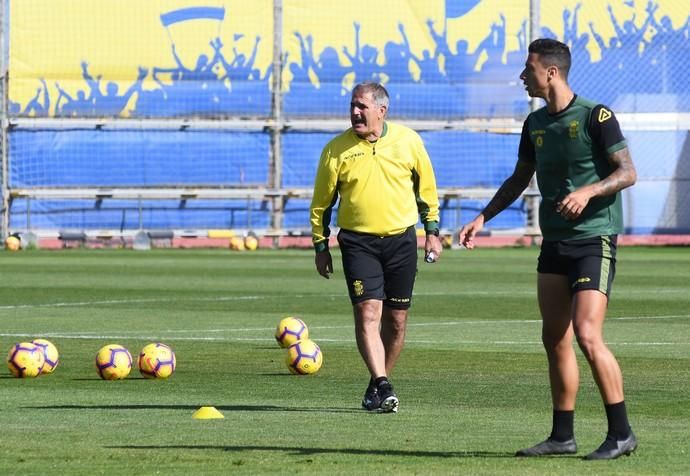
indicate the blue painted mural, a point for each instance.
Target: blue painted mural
{"x":632,"y":57}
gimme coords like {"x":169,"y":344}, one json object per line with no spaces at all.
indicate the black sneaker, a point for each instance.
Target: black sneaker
{"x":389,"y":400}
{"x":371,"y":401}
{"x":612,"y":448}
{"x":550,"y":447}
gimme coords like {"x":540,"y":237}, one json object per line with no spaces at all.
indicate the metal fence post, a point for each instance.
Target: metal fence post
{"x":276,"y":159}
{"x":532,"y":198}
{"x":4,"y":122}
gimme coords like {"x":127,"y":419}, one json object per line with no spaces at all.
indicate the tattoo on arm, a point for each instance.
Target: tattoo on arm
{"x":510,"y":190}
{"x":623,"y":175}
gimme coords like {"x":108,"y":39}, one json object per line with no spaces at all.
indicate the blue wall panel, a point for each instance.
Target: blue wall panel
{"x":125,"y":214}
{"x":144,"y":158}
{"x":137,"y":158}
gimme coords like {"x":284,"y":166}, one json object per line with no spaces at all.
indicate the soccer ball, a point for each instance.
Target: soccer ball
{"x":113,"y":362}
{"x":25,"y":360}
{"x":12,"y":243}
{"x":304,"y":357}
{"x":447,"y":241}
{"x":251,"y":243}
{"x":50,"y":354}
{"x":237,"y":243}
{"x":156,"y":361}
{"x":290,"y":330}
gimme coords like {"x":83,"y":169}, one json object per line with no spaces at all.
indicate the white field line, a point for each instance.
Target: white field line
{"x":97,"y":336}
{"x":167,"y":334}
{"x":198,"y":299}
{"x":411,"y":324}
{"x":263,"y":339}
{"x":129,"y":301}
{"x":269,"y":340}
{"x":240,"y":298}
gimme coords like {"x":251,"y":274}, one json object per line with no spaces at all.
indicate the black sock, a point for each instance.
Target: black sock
{"x":563,"y":423}
{"x":619,"y":428}
{"x":379,"y":380}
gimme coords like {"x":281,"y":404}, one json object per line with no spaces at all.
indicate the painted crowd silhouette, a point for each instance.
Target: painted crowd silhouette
{"x":645,"y":57}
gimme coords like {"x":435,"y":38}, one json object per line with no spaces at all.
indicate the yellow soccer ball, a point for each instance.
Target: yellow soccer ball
{"x":447,"y":241}
{"x":304,"y":357}
{"x":12,"y":243}
{"x":50,"y":355}
{"x":113,"y":362}
{"x":251,"y":243}
{"x":156,"y":360}
{"x":290,"y":330}
{"x":25,"y":360}
{"x":237,"y":243}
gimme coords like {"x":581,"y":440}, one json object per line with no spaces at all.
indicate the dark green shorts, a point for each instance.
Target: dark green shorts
{"x":589,"y":263}
{"x":382,"y":268}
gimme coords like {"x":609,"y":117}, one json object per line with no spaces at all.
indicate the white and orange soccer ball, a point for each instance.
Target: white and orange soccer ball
{"x":50,"y":355}
{"x":25,"y":360}
{"x":304,"y":357}
{"x":157,"y":360}
{"x":289,"y":330}
{"x":113,"y":362}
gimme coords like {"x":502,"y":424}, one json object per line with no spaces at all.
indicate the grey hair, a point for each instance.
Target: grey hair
{"x":378,"y":92}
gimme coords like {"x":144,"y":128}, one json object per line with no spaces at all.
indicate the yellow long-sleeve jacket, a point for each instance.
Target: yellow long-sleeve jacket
{"x":384,"y":186}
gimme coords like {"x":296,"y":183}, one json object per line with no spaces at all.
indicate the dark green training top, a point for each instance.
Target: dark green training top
{"x":570,"y":149}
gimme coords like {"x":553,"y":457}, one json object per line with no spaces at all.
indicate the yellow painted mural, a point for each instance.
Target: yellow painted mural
{"x":197,"y":57}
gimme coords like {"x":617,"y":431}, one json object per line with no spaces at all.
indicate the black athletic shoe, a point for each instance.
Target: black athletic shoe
{"x":612,"y":448}
{"x":371,"y":401}
{"x":389,"y":400}
{"x":550,"y":447}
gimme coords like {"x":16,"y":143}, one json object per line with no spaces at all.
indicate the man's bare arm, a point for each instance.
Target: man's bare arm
{"x":510,"y":190}
{"x":622,"y":177}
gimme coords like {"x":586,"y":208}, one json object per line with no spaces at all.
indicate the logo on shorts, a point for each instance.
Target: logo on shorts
{"x":357,"y":287}
{"x":583,"y":280}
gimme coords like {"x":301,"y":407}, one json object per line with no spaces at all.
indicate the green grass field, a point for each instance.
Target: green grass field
{"x":472,"y":380}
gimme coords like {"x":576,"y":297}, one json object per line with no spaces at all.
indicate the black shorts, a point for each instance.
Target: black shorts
{"x":589,"y":263}
{"x":382,"y":268}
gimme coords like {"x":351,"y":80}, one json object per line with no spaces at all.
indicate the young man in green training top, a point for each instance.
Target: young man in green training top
{"x":386,"y":183}
{"x":582,"y":163}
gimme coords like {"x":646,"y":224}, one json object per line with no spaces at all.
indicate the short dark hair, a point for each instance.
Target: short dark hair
{"x":552,"y":53}
{"x":378,"y":92}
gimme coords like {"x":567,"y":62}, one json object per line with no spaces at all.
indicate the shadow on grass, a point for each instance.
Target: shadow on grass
{"x":98,"y":379}
{"x":228,"y":408}
{"x":299,"y":451}
{"x":285,"y":374}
